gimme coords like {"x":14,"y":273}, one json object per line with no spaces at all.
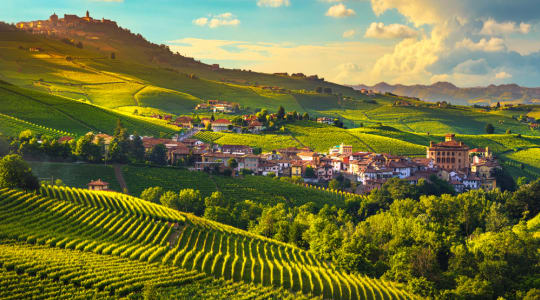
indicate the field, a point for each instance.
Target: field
{"x":160,"y":247}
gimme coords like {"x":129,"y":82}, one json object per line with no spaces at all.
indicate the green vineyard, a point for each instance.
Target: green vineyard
{"x":88,"y":241}
{"x":11,"y":126}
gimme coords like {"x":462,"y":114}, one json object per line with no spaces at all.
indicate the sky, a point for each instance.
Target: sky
{"x":466,"y":42}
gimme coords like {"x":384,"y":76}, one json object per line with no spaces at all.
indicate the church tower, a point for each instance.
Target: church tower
{"x":87,"y":14}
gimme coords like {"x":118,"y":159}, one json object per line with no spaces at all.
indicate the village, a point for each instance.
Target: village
{"x":450,"y":160}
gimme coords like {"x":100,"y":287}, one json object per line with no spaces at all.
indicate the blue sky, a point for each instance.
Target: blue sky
{"x":468,"y":42}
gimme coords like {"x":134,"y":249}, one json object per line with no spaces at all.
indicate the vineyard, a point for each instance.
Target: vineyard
{"x":11,"y":126}
{"x":264,"y":190}
{"x":83,"y":243}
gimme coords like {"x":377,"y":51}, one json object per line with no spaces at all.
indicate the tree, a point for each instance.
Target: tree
{"x":216,"y":199}
{"x":86,"y":150}
{"x":233,"y":164}
{"x":305,"y":116}
{"x":309,"y":172}
{"x":281,"y":113}
{"x":170,"y":199}
{"x":490,"y":129}
{"x":334,"y":184}
{"x":137,"y":150}
{"x":15,"y":173}
{"x":190,"y":200}
{"x":498,"y":105}
{"x":522,"y":181}
{"x":158,"y":155}
{"x":152,"y":194}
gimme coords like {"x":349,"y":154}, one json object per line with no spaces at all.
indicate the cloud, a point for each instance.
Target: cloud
{"x":491,"y":45}
{"x":391,"y":31}
{"x":340,"y":11}
{"x":479,"y":66}
{"x":349,"y":34}
{"x":273,"y":3}
{"x":333,"y":61}
{"x":224,"y":19}
{"x":491,"y":27}
{"x":200,"y":21}
{"x":503,"y":75}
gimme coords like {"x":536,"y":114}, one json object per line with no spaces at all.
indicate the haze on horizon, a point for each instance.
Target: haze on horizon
{"x":468,"y":43}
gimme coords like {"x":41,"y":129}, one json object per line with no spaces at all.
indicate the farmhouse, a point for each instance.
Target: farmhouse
{"x":221,"y":125}
{"x":98,"y":185}
{"x":325,"y":120}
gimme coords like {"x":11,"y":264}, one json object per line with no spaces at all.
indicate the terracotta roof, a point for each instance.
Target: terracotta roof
{"x":64,"y":139}
{"x":98,"y":183}
{"x":222,"y":121}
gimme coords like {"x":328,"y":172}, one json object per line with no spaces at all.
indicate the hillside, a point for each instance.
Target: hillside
{"x":115,"y":232}
{"x":445,"y":91}
{"x":149,"y":79}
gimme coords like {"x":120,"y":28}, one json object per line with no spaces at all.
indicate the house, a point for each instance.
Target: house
{"x":324,"y":172}
{"x":255,"y":126}
{"x":98,"y":185}
{"x":184,"y":122}
{"x":267,"y":167}
{"x":325,"y":120}
{"x":341,"y":149}
{"x":221,"y":125}
{"x":297,"y":168}
{"x":236,"y":149}
{"x":249,"y":161}
{"x":203,"y":106}
{"x":308,"y":156}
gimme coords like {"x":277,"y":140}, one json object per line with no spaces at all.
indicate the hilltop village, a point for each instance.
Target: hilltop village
{"x":55,"y":24}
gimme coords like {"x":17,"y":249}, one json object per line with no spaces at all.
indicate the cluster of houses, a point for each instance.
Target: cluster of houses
{"x":219,"y":125}
{"x":217,"y":106}
{"x":450,"y":160}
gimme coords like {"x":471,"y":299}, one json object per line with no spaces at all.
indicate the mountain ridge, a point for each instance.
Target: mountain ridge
{"x":447,"y":91}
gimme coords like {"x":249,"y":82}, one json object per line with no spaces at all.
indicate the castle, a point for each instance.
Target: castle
{"x":54,"y":23}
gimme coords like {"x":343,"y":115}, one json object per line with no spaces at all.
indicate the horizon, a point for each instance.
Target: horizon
{"x":361,"y":42}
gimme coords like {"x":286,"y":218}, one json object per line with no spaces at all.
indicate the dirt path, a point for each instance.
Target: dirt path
{"x":120,"y":178}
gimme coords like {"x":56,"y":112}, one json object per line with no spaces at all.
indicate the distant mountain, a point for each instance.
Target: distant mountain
{"x":446,"y":91}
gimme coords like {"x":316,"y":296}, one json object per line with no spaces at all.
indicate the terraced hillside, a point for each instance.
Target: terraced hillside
{"x":83,"y":240}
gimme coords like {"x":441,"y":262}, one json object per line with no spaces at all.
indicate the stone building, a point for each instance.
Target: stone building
{"x":449,"y":155}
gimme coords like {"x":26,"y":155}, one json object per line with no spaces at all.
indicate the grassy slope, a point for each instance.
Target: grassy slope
{"x":72,"y":116}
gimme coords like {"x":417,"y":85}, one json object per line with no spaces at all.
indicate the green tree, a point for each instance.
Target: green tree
{"x":137,"y":150}
{"x":86,"y":150}
{"x":334,"y":184}
{"x":310,"y":172}
{"x":190,"y":200}
{"x":233,"y":164}
{"x":152,"y":194}
{"x":170,"y":199}
{"x":490,"y":129}
{"x":305,"y":116}
{"x":216,"y":199}
{"x":158,"y":155}
{"x":15,"y":173}
{"x":280,"y":113}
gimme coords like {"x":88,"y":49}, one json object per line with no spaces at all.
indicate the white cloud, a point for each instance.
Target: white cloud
{"x":200,"y":21}
{"x":224,"y":19}
{"x":349,"y":34}
{"x":391,"y":31}
{"x":491,"y":27}
{"x":340,"y":11}
{"x":491,"y":45}
{"x":273,"y":3}
{"x":503,"y":75}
